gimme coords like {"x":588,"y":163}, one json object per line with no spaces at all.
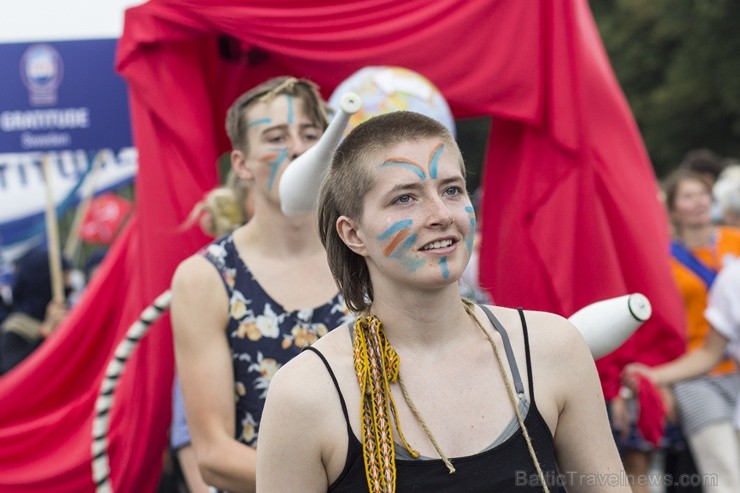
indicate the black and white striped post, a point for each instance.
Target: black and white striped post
{"x":101,"y":422}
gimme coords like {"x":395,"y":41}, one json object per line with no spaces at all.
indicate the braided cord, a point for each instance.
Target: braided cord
{"x":377,"y":366}
{"x":469,"y":308}
{"x":423,"y":424}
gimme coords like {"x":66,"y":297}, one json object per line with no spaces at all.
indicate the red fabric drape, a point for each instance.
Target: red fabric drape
{"x":570,"y":214}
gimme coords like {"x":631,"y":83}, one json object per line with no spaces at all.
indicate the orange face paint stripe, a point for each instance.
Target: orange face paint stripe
{"x":395,"y":241}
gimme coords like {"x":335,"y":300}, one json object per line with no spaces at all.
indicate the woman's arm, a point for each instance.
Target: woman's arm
{"x":294,"y":429}
{"x":181,"y":443}
{"x":694,"y":363}
{"x":586,"y":453}
{"x":199,"y":315}
{"x":690,"y":365}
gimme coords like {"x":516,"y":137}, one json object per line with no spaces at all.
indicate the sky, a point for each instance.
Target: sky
{"x":56,"y":20}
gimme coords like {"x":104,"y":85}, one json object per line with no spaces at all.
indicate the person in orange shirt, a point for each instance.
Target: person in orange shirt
{"x":704,"y":405}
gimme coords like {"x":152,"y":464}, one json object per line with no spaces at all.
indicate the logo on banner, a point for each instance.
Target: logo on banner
{"x":42,"y":71}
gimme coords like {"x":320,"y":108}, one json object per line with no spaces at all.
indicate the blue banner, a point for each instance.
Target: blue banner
{"x":62,"y":95}
{"x":61,"y":103}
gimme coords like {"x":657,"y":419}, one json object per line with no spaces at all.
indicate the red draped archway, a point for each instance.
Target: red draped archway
{"x":570,"y":210}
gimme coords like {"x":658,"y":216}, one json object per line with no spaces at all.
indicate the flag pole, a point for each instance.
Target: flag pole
{"x":52,"y":234}
{"x":73,"y":239}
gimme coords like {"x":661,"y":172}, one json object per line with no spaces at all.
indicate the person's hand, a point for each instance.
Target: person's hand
{"x":631,"y":371}
{"x":56,"y":310}
{"x":621,"y":417}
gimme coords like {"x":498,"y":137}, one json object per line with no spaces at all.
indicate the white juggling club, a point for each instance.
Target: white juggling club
{"x":299,"y":185}
{"x":608,"y":323}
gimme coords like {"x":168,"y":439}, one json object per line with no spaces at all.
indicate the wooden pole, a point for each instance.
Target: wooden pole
{"x":52,"y":235}
{"x":88,"y":192}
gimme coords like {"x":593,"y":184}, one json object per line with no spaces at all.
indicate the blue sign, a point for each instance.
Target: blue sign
{"x":61,"y":103}
{"x":62,"y":95}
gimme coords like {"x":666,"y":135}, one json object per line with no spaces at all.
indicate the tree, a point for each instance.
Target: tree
{"x":678,"y":64}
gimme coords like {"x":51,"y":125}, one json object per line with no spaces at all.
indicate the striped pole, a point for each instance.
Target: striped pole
{"x":101,"y":422}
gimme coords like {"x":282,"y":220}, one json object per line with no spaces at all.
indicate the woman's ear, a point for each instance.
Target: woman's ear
{"x":240,"y":166}
{"x":348,"y":232}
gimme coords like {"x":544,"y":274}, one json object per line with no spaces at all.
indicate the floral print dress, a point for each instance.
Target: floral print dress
{"x":262,"y":334}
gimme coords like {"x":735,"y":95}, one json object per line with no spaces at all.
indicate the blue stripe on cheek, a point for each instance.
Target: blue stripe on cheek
{"x":274,"y":166}
{"x":411,"y":264}
{"x":408,"y":243}
{"x":395,"y":228}
{"x":470,"y":236}
{"x":435,"y":161}
{"x":443,"y":265}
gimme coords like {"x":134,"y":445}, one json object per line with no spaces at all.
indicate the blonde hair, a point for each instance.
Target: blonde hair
{"x":225,"y":207}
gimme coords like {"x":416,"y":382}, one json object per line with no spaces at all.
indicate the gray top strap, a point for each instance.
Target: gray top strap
{"x":518,"y":385}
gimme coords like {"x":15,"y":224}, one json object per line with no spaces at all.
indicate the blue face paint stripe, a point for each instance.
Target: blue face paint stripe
{"x":408,"y":166}
{"x":274,"y":167}
{"x":411,"y":264}
{"x":409,"y":242}
{"x":290,"y":108}
{"x":395,"y":228}
{"x":261,"y":121}
{"x":405,"y":247}
{"x":470,"y":237}
{"x":434,"y":161}
{"x":443,"y":265}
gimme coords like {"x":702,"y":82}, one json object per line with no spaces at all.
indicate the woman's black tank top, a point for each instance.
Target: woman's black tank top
{"x":507,"y":467}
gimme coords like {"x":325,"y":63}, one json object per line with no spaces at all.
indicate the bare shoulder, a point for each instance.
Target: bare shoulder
{"x":193,"y":271}
{"x":553,"y":339}
{"x":554,"y":331}
{"x":561,"y":358}
{"x":551,"y":321}
{"x":305,"y":384}
{"x":302,"y":424}
{"x":307,"y":380}
{"x":199,"y":297}
{"x":563,"y":370}
{"x":335,"y":344}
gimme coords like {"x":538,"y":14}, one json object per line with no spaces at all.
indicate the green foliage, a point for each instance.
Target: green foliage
{"x":472,"y":137}
{"x":678,"y":62}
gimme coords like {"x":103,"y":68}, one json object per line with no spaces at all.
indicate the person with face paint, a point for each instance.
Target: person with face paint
{"x":253,"y":299}
{"x":221,"y":211}
{"x":425,"y":391}
{"x":34,"y":315}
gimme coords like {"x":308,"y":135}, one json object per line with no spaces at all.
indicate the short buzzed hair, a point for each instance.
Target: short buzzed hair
{"x":348,"y":180}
